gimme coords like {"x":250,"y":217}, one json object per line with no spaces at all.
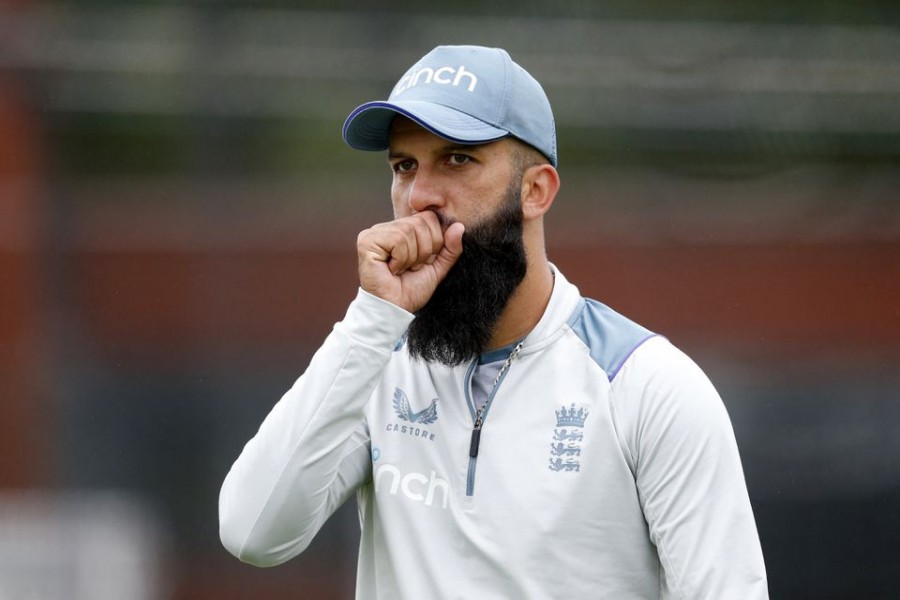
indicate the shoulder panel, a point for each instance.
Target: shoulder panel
{"x":610,"y":337}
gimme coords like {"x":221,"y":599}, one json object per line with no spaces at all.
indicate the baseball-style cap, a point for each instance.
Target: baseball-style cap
{"x":465,"y":94}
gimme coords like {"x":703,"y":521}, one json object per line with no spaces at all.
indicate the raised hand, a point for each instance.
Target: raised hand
{"x":404,"y":260}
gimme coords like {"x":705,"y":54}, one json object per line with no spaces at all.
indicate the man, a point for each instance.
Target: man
{"x":505,"y":437}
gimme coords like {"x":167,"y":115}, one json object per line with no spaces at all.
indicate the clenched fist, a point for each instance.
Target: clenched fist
{"x":404,"y":260}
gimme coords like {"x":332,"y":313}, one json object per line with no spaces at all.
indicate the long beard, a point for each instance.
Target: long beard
{"x":457,"y":323}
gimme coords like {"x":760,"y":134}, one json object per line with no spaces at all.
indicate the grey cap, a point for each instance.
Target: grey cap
{"x":465,"y":94}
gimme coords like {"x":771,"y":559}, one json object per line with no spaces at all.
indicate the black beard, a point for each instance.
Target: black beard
{"x":457,"y":323}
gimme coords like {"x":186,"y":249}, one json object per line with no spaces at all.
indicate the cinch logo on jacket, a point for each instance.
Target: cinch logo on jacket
{"x":440,"y":75}
{"x":415,"y":486}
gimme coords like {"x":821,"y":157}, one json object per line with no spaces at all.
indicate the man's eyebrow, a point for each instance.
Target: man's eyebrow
{"x":448,"y":149}
{"x":392,"y":154}
{"x":462,"y":148}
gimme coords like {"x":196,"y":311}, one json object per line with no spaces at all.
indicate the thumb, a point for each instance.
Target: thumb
{"x":449,"y":254}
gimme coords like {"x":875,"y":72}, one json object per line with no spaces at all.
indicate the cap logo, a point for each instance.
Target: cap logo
{"x":442,"y":76}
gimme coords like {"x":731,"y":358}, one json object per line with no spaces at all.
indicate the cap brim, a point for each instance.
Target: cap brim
{"x":368,"y":127}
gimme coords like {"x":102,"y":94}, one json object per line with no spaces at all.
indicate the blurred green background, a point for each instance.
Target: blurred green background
{"x":178,"y":217}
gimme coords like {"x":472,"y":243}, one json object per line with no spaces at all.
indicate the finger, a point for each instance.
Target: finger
{"x":404,"y":251}
{"x":429,"y":239}
{"x":423,"y":239}
{"x":436,"y":231}
{"x":406,"y":243}
{"x":451,"y":250}
{"x":383,"y":243}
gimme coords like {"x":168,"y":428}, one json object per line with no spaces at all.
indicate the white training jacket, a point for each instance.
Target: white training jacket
{"x":607,"y":467}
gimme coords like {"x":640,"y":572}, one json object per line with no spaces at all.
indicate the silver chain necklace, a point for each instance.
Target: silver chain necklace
{"x":479,"y":414}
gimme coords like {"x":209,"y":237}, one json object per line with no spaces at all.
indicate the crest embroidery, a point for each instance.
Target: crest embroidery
{"x":565,"y":447}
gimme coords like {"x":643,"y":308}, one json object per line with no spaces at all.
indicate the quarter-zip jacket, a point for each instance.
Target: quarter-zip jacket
{"x":606,"y":468}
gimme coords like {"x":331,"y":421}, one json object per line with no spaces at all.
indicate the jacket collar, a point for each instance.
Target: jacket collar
{"x":564,"y":301}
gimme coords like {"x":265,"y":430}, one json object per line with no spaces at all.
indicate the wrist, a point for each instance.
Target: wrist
{"x":374,"y":321}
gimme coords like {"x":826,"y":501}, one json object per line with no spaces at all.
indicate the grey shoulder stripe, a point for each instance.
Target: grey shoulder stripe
{"x":610,"y":337}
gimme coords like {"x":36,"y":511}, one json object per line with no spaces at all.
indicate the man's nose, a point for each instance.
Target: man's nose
{"x":426,"y":192}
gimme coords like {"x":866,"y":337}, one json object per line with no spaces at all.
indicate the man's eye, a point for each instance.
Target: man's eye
{"x":404,"y":166}
{"x":458,"y":159}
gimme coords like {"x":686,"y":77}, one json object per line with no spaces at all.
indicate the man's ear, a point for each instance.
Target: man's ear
{"x":540,"y":183}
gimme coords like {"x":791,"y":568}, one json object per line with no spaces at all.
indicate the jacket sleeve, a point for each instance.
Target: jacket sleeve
{"x":689,"y":477}
{"x":312,"y":450}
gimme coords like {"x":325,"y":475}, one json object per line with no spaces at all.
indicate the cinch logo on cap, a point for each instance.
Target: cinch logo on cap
{"x":441,"y":76}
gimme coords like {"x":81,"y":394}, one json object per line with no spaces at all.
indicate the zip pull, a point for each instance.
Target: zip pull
{"x":476,"y":440}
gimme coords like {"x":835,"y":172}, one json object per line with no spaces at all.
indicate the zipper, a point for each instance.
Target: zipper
{"x":475,"y":440}
{"x":480,"y":416}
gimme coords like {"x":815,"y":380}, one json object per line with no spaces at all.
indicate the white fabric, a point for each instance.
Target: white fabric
{"x":644,"y":499}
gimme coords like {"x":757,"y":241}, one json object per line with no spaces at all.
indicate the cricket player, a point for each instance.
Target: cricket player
{"x":505,"y":437}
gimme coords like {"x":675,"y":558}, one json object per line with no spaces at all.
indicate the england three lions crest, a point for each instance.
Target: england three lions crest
{"x":565,"y":446}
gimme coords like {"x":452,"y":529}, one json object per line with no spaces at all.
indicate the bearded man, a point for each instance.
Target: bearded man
{"x":504,"y":436}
